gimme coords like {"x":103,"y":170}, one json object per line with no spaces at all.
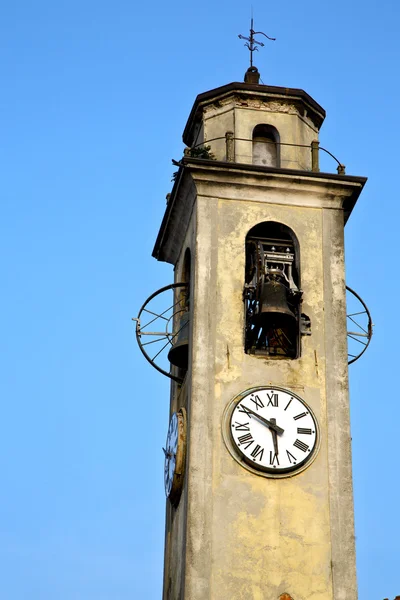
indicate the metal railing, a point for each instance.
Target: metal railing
{"x":314,"y":148}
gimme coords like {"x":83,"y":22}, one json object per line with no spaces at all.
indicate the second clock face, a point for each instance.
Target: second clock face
{"x":273,"y":430}
{"x":175,"y":452}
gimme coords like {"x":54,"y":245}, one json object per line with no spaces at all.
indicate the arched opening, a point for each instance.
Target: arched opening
{"x":272,"y":291}
{"x":179,"y":352}
{"x":266,"y":148}
{"x":185,"y":278}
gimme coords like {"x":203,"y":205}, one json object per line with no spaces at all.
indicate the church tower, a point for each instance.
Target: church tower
{"x":258,"y":457}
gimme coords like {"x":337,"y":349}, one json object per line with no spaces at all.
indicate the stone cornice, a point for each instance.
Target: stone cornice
{"x":265,"y":93}
{"x":248,"y":183}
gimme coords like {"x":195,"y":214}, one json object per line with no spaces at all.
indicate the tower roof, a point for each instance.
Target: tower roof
{"x":266,"y":93}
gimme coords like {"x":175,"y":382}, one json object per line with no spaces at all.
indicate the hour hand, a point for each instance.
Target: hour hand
{"x":267,"y":422}
{"x":168,"y":453}
{"x":275,"y":438}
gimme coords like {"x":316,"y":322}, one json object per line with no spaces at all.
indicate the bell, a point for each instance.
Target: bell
{"x":179,"y":353}
{"x":274,"y":311}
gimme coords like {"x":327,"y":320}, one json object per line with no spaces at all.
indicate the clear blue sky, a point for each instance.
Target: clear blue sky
{"x":94,"y":98}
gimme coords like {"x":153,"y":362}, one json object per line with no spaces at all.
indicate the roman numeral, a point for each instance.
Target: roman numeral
{"x":272,"y":399}
{"x":288,"y":404}
{"x":243,"y":409}
{"x":304,"y":430}
{"x":258,"y":402}
{"x":290,"y":457}
{"x":245,"y":440}
{"x":273,"y":457}
{"x":301,"y":445}
{"x":300,"y":416}
{"x":258,"y":451}
{"x":244,"y":426}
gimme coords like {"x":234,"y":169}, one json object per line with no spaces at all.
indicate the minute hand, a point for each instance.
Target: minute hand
{"x":266,"y":421}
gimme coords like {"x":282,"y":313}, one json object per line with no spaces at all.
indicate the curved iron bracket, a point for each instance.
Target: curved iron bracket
{"x":363,"y":333}
{"x":165,"y":338}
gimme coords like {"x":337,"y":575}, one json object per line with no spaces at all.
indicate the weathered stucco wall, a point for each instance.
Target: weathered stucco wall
{"x":249,"y":536}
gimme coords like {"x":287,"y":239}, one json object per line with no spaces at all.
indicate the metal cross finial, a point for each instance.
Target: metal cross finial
{"x":252,"y":43}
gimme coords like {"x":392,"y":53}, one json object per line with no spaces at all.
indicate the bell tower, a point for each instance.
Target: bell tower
{"x":258,"y":457}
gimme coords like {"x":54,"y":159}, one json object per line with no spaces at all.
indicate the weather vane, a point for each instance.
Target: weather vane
{"x":252,"y":43}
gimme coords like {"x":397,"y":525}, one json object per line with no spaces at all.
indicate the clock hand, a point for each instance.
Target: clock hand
{"x":168,"y":454}
{"x":275,"y":438}
{"x":270,"y":424}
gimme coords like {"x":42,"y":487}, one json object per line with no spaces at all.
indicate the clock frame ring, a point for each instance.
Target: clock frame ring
{"x":243,"y":461}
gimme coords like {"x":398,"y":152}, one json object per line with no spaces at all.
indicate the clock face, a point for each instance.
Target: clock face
{"x":175,"y":456}
{"x":170,"y":453}
{"x":273,"y":430}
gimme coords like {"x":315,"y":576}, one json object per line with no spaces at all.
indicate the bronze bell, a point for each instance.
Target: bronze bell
{"x":179,"y":353}
{"x":274,"y":309}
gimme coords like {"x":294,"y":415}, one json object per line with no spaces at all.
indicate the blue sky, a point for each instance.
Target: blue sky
{"x":94,"y":99}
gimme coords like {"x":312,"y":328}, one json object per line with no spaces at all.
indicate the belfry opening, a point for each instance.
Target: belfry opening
{"x":272,"y":292}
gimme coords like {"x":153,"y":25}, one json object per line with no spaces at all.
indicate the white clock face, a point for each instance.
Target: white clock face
{"x":273,"y":430}
{"x":170,"y":453}
{"x":175,"y":453}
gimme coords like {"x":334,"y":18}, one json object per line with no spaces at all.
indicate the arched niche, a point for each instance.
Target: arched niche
{"x":266,"y":146}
